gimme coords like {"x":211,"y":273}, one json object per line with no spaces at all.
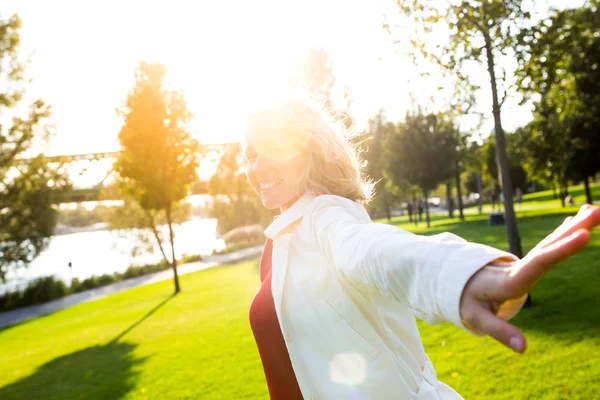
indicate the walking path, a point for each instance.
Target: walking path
{"x":23,"y":314}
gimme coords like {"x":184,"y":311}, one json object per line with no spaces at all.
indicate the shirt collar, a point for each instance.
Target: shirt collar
{"x":289,"y":216}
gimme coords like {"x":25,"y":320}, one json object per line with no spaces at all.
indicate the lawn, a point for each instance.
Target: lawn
{"x":146,"y":344}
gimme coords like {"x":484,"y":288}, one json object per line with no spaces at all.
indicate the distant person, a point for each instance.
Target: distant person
{"x":420,"y":208}
{"x":334,"y":315}
{"x":409,"y":209}
{"x":519,"y":195}
{"x":569,"y":200}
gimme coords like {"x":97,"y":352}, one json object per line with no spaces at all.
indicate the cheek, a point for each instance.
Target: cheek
{"x":296,"y":172}
{"x":251,"y":177}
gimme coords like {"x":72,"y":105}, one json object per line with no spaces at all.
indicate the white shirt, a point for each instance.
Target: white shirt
{"x":346,"y":292}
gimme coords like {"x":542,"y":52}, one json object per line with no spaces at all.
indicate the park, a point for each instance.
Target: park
{"x":147,"y":344}
{"x":130,"y":218}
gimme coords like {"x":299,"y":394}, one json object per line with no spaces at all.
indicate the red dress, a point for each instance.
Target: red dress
{"x":279,"y":373}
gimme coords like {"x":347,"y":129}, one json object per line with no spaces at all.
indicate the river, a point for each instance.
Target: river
{"x":106,"y":252}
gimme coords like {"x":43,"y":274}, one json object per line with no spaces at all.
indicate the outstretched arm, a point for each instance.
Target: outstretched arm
{"x":489,"y":291}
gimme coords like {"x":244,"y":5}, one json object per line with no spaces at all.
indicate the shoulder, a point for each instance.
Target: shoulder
{"x":329,"y":206}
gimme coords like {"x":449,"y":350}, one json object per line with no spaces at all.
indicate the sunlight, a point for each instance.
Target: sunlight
{"x":229,"y":59}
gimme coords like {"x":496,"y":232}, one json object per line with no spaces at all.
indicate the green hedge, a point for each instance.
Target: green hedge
{"x":48,"y":288}
{"x":39,"y":290}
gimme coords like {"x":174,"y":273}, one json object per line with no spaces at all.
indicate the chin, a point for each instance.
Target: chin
{"x":271,"y":204}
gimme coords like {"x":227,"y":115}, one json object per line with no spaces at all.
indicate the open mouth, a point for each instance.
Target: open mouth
{"x":269,"y":185}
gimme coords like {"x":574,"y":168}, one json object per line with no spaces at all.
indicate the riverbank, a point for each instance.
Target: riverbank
{"x":25,"y":313}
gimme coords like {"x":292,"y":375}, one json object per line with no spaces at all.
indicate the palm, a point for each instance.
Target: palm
{"x":497,"y":291}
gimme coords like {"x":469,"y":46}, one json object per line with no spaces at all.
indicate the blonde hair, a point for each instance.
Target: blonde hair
{"x":334,"y":165}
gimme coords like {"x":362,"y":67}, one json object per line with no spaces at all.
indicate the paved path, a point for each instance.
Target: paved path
{"x":23,"y":314}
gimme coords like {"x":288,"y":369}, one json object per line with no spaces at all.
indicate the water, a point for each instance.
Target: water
{"x":106,"y":252}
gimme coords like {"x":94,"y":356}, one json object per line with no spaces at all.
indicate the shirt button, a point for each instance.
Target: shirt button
{"x":288,"y":337}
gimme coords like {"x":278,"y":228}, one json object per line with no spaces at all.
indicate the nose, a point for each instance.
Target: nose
{"x":261,"y":164}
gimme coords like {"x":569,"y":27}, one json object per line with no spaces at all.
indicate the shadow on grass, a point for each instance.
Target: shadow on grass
{"x":155,"y":309}
{"x":97,"y":372}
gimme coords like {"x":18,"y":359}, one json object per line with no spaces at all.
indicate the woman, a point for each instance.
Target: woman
{"x":334,"y":316}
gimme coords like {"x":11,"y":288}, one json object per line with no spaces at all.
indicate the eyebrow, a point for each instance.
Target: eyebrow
{"x":248,"y":150}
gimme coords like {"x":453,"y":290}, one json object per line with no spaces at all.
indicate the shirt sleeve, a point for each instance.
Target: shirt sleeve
{"x":426,"y":273}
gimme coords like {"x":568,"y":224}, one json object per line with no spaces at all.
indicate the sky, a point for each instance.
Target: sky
{"x":228,"y":57}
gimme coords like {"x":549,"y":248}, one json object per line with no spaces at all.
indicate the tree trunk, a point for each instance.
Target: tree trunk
{"x":427,"y":208}
{"x":156,"y":236}
{"x":588,"y":193}
{"x":449,"y":200}
{"x":480,"y":191}
{"x":563,"y":192}
{"x":174,"y":260}
{"x":459,"y":192}
{"x":386,"y":204}
{"x":512,"y":230}
{"x":415,"y":207}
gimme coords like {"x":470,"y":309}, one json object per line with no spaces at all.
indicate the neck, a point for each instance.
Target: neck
{"x":284,"y":207}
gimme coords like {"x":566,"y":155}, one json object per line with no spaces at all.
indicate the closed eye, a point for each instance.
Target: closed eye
{"x":249,"y":156}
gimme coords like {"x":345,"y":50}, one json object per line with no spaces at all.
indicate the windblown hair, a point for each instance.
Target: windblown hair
{"x":334,"y":165}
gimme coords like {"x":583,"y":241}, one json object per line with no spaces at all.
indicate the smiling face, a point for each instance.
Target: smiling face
{"x":276,"y":163}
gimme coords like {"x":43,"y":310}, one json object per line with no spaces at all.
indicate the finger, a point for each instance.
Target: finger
{"x":526,"y":272}
{"x":566,"y":221}
{"x":507,"y":334}
{"x":587,"y":218}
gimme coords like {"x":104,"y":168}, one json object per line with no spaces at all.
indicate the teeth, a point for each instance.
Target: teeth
{"x":269,"y":185}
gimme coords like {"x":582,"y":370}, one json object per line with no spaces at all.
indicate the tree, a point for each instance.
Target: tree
{"x":314,"y":77}
{"x":28,"y":183}
{"x":372,"y":151}
{"x":159,"y":157}
{"x":417,"y":152}
{"x":479,"y":32}
{"x":559,"y":61}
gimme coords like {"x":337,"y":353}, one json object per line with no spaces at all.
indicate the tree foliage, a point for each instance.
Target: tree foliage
{"x":480,"y":32}
{"x":422,"y":151}
{"x":371,"y":143}
{"x":28,"y":183}
{"x":560,"y":62}
{"x":159,"y":157}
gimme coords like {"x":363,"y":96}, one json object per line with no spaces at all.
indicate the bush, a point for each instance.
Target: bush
{"x":188,"y":259}
{"x":50,"y":288}
{"x":241,"y":245}
{"x":39,"y":290}
{"x":133,"y":271}
{"x":44,"y":289}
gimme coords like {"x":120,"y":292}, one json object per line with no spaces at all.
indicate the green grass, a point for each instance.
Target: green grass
{"x":142,"y":344}
{"x":146,"y":344}
{"x":577,"y":193}
{"x":563,"y":327}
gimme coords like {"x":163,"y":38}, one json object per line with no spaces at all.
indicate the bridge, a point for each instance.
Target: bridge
{"x":210,"y":153}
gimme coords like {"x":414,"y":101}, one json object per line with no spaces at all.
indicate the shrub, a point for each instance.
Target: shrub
{"x":39,"y":290}
{"x":43,"y":289}
{"x":241,"y":245}
{"x":49,"y":288}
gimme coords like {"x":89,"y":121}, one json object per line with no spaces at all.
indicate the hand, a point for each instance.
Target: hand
{"x":498,"y":290}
